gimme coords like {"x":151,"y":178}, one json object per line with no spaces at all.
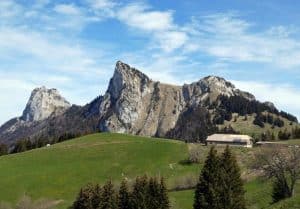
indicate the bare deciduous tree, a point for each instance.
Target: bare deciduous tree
{"x":281,"y":163}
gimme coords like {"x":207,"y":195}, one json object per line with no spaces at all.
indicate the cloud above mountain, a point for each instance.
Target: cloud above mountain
{"x":78,"y":43}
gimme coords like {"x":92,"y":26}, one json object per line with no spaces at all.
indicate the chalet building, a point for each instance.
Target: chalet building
{"x":230,"y":139}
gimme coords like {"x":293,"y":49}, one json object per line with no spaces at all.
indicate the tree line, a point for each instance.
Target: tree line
{"x":29,"y":144}
{"x":225,"y":106}
{"x":219,"y":187}
{"x":146,"y":193}
{"x":261,"y":119}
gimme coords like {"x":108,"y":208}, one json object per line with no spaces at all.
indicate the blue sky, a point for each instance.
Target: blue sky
{"x":74,"y":45}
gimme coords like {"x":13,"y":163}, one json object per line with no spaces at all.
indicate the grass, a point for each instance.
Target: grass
{"x":59,"y":171}
{"x":247,"y":126}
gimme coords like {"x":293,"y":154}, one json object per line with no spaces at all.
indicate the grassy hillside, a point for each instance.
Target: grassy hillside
{"x":58,"y":172}
{"x":238,"y":123}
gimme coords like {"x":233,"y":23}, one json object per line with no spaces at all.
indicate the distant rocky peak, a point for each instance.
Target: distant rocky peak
{"x":42,"y":103}
{"x":126,"y":77}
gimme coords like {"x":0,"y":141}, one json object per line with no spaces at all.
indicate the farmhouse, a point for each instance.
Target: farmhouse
{"x":230,"y":139}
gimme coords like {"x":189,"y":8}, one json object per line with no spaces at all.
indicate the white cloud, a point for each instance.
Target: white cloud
{"x":156,"y":24}
{"x":228,"y":37}
{"x":285,"y":97}
{"x":67,"y":9}
{"x":44,"y":49}
{"x":9,"y":9}
{"x":102,"y":4}
{"x":140,"y":17}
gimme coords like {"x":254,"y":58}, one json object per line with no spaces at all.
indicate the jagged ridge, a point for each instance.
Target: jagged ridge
{"x":134,"y":104}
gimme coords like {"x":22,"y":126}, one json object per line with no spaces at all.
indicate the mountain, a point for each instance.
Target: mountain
{"x":42,"y":103}
{"x":135,"y":104}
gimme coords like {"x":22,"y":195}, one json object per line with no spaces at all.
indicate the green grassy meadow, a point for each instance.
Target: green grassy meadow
{"x":59,"y":171}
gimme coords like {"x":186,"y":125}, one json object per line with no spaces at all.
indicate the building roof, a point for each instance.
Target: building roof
{"x":228,"y":138}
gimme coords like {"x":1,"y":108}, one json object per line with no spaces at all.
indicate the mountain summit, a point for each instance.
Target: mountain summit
{"x":135,"y":104}
{"x":42,"y":103}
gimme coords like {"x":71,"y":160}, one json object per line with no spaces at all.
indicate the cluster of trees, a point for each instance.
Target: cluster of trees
{"x":29,"y":144}
{"x":282,"y":164}
{"x":288,"y":116}
{"x":293,"y":134}
{"x":220,"y":184}
{"x":242,"y":106}
{"x":193,"y":125}
{"x":147,"y":193}
{"x":3,"y":149}
{"x":284,"y":135}
{"x":260,"y":119}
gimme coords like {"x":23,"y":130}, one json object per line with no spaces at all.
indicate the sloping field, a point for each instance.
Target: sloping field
{"x":59,"y":171}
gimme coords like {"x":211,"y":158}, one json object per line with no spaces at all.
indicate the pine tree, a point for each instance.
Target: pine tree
{"x":108,"y":197}
{"x":153,"y":194}
{"x":231,"y":190}
{"x":83,"y":200}
{"x":139,"y":193}
{"x":124,"y":196}
{"x":163,"y":195}
{"x":97,"y":196}
{"x":207,"y":190}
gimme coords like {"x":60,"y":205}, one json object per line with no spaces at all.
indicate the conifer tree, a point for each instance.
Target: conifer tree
{"x":153,"y":194}
{"x":163,"y":195}
{"x":231,"y":189}
{"x":108,"y":197}
{"x":97,"y":196}
{"x":207,"y":190}
{"x":124,"y":196}
{"x":139,"y":193}
{"x":83,"y":200}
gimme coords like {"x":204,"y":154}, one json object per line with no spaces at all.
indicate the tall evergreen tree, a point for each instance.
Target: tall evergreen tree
{"x":139,"y":193}
{"x":163,"y":195}
{"x":124,"y":196}
{"x":84,"y":198}
{"x":153,"y":194}
{"x":108,"y":197}
{"x":207,"y":190}
{"x":231,"y":190}
{"x":97,"y":196}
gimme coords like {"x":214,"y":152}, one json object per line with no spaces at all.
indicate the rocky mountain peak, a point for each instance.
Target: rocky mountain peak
{"x":42,"y":103}
{"x":126,"y":77}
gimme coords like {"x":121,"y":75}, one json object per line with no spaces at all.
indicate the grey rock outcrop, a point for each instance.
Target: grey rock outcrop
{"x":42,"y":103}
{"x":135,"y":104}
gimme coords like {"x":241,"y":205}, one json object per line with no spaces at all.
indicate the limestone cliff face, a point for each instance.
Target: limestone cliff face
{"x":42,"y":103}
{"x":135,"y":104}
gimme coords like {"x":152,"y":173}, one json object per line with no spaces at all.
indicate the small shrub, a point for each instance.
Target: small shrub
{"x":196,"y":155}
